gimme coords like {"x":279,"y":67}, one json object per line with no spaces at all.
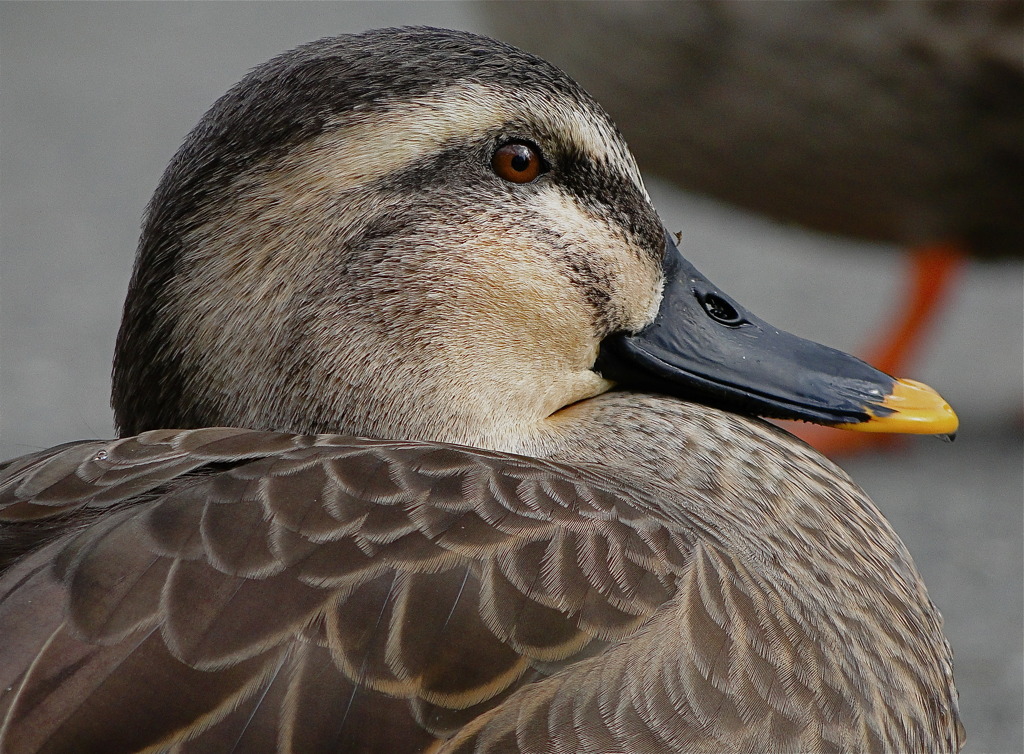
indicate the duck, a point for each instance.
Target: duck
{"x":889,"y":122}
{"x":431,"y":440}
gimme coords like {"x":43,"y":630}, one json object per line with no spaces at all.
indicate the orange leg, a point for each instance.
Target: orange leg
{"x":932,"y":273}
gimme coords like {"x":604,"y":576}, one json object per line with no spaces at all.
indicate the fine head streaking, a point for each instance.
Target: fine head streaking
{"x":462,"y":213}
{"x":567,"y":531}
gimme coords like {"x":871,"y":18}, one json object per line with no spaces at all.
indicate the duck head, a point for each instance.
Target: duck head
{"x":427,"y":234}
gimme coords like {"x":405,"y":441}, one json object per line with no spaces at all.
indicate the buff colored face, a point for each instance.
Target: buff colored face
{"x":509,"y":285}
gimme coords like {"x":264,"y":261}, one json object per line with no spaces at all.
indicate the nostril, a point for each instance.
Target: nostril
{"x":720,"y":310}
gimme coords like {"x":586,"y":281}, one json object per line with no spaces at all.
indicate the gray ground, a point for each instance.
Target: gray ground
{"x":97,"y":97}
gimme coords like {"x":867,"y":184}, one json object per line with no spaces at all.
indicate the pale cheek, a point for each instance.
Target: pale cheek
{"x":514,"y":312}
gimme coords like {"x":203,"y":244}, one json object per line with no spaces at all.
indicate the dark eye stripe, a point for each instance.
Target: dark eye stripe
{"x":596,"y":185}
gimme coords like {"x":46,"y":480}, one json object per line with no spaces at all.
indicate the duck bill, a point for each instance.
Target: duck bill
{"x":705,"y":347}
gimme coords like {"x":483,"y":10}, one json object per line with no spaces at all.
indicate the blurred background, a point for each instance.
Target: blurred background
{"x":96,"y":97}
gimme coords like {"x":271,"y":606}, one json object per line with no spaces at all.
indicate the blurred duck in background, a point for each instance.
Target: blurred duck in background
{"x":886,"y":121}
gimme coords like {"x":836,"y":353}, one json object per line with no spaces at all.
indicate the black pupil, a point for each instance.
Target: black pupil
{"x":520,"y":158}
{"x":721,"y":310}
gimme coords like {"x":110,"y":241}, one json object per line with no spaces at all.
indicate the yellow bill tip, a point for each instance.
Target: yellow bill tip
{"x":911,"y":408}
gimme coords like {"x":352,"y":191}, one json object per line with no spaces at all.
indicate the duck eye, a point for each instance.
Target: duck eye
{"x":517,"y":163}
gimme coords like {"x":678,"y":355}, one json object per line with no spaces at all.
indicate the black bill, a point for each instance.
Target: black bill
{"x":705,"y":347}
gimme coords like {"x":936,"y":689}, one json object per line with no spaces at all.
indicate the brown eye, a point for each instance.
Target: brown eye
{"x":517,"y":163}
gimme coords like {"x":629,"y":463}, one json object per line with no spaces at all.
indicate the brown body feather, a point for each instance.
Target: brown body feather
{"x":306,"y":590}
